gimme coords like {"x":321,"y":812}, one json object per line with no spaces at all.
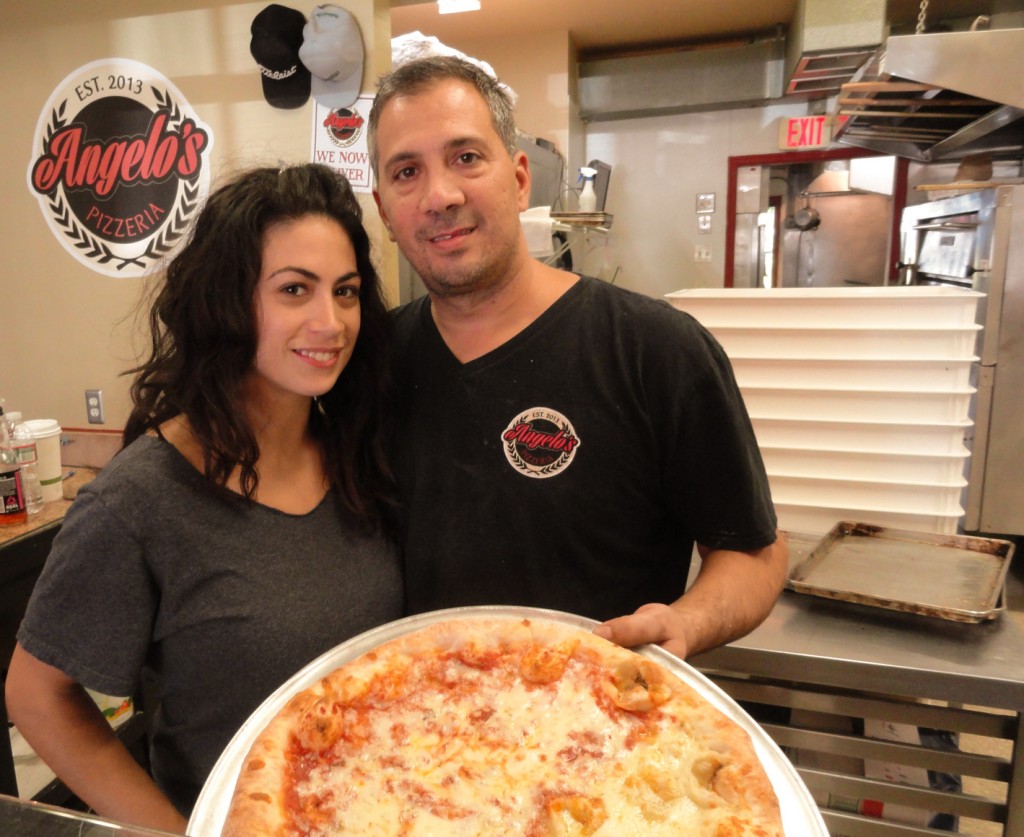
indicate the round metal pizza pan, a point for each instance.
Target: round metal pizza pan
{"x":800,"y":815}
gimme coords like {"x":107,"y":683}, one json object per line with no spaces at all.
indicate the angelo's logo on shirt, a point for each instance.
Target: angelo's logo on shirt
{"x":540,"y":442}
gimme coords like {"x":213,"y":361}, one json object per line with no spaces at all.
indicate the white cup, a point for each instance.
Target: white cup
{"x":46,"y":433}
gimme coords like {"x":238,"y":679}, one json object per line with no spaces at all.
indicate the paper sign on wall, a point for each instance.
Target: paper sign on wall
{"x":339,"y":141}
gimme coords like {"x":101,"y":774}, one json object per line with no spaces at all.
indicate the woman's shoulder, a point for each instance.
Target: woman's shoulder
{"x":141,"y":470}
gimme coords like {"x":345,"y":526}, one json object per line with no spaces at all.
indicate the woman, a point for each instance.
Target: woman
{"x":240,"y":532}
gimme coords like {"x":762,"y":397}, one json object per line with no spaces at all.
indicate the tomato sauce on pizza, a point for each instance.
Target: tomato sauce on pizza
{"x":502,"y":726}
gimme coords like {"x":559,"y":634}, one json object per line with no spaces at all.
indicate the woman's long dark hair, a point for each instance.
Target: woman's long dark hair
{"x":203,"y":328}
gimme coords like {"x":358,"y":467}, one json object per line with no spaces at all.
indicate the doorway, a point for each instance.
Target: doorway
{"x":814,"y":218}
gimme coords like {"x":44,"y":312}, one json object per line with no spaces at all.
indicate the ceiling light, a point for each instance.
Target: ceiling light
{"x":450,"y":7}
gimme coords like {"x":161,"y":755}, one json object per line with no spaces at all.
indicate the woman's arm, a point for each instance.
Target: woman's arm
{"x":68,"y":732}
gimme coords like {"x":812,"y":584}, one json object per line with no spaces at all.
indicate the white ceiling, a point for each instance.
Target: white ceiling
{"x":597,"y":25}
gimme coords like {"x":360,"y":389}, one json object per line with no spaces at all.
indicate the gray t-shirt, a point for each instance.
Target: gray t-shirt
{"x":216,"y":601}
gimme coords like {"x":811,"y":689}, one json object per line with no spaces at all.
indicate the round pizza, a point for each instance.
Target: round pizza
{"x":491,"y":725}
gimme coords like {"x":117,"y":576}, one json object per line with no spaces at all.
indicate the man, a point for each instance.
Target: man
{"x":562,"y":443}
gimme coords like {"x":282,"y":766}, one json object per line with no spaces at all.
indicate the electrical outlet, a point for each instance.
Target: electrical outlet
{"x":701,"y":253}
{"x":94,"y":405}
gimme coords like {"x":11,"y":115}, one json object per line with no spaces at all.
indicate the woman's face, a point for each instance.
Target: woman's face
{"x":307,"y":307}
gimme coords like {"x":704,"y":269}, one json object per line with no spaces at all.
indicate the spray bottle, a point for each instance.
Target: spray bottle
{"x":588,"y":197}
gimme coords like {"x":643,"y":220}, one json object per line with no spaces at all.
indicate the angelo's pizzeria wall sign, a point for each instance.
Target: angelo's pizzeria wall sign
{"x":119,"y":165}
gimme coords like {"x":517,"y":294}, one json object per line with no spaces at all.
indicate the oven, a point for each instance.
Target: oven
{"x":976,"y":240}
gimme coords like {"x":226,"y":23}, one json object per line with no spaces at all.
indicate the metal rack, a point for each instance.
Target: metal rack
{"x":813,"y":666}
{"x":574,"y":229}
{"x":829,"y":754}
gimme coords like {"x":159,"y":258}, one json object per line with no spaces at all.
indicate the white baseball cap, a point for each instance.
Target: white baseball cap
{"x":332,"y":51}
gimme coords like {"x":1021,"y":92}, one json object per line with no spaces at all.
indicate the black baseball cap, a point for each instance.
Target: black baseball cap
{"x":276,"y":38}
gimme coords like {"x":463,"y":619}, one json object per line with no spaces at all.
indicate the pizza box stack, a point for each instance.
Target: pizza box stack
{"x":859,"y":397}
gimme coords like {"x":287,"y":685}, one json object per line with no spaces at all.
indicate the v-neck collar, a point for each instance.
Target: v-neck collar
{"x":552,"y":313}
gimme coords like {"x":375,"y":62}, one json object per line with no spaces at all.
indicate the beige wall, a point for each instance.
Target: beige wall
{"x":65,"y":327}
{"x":68,"y":328}
{"x":659,"y":165}
{"x":539,"y":75}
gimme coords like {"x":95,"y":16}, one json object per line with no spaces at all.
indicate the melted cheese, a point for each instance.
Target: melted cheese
{"x":469,"y":749}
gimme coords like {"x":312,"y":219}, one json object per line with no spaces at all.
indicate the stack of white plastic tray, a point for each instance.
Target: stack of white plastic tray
{"x":859,"y":397}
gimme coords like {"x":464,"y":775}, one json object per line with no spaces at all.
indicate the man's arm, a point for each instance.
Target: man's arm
{"x":732,"y":594}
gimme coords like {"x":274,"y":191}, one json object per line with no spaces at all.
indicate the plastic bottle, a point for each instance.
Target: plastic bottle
{"x":24,"y":445}
{"x":588,"y":197}
{"x":12,"y":496}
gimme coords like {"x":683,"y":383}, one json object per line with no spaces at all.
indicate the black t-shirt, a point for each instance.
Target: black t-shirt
{"x":574,"y":466}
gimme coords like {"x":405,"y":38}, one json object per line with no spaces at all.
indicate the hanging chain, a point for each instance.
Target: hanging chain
{"x":920,"y":17}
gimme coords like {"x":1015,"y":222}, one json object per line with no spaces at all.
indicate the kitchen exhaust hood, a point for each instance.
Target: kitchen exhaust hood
{"x":828,"y":41}
{"x":938,"y":96}
{"x":984,"y":63}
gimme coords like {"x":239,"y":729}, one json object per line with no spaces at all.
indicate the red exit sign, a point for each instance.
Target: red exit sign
{"x":805,"y":132}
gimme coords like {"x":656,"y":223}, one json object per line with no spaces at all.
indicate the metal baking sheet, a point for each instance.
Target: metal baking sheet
{"x":955,"y":577}
{"x":800,"y":816}
{"x":800,"y":544}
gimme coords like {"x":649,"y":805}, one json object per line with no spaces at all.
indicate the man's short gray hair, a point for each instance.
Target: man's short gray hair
{"x":414,"y":76}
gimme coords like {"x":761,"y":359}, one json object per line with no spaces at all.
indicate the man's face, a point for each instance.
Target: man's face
{"x":448,"y":190}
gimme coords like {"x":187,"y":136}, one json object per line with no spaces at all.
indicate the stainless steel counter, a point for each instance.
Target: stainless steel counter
{"x":24,"y":817}
{"x":857,"y":647}
{"x":828,"y":659}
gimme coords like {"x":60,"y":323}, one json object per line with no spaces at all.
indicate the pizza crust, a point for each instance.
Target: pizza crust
{"x":257,"y":803}
{"x":544,"y":727}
